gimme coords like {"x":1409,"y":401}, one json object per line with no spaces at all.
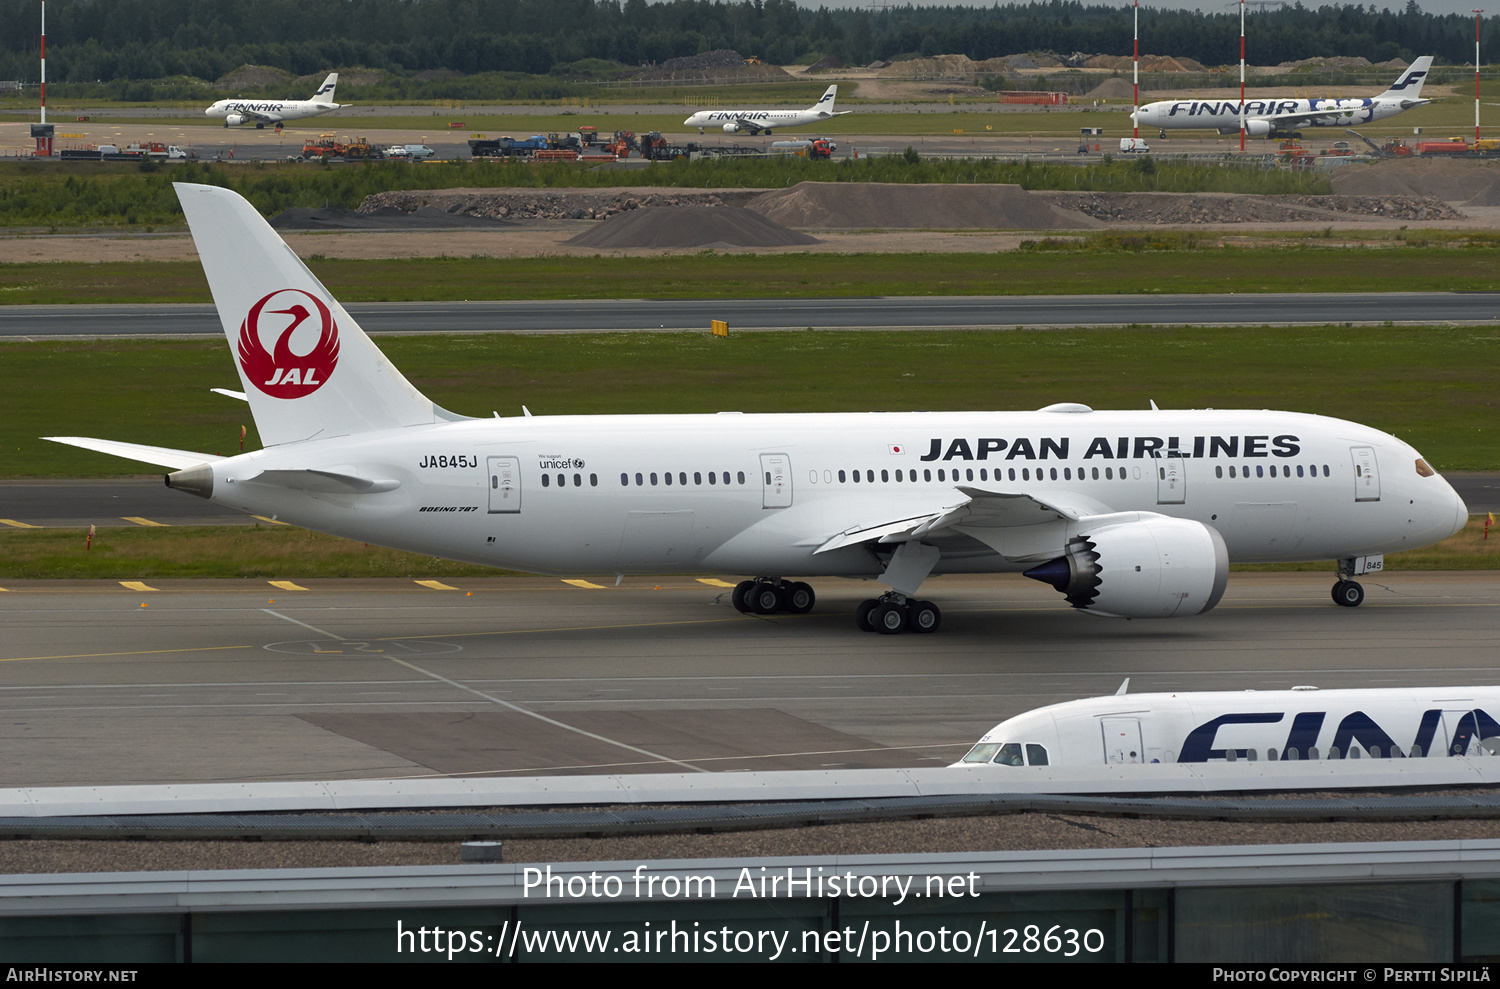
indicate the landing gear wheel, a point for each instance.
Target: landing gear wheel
{"x":764,"y":599}
{"x":799,"y":598}
{"x":864,"y":613}
{"x":740,"y":598}
{"x":889,"y":619}
{"x":925,"y":616}
{"x":1348,"y":594}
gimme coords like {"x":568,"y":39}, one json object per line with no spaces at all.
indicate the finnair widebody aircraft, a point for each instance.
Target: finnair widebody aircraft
{"x":1128,"y":514}
{"x":1277,"y":118}
{"x":1253,"y":725}
{"x":262,"y":112}
{"x":756,"y":121}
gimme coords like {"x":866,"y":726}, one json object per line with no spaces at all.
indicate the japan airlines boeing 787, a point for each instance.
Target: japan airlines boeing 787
{"x":1128,"y":514}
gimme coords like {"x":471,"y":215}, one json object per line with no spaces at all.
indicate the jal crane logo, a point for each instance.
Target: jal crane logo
{"x":281,"y":372}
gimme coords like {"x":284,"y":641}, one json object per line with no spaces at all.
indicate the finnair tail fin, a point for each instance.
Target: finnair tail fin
{"x":825,"y":104}
{"x":1409,"y":86}
{"x":307,"y":368}
{"x":324,"y":93}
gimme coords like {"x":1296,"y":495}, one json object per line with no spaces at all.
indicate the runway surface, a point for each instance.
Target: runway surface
{"x":81,"y":502}
{"x":595,"y":315}
{"x":239,"y":680}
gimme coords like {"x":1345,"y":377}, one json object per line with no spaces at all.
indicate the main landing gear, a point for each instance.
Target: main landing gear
{"x":892,"y":613}
{"x":769,"y":595}
{"x":1347,"y":593}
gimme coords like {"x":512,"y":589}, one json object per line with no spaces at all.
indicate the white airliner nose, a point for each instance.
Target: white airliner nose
{"x":1460,"y":514}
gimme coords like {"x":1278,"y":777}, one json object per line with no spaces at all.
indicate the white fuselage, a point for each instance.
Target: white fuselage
{"x":1269,"y":114}
{"x":1250,"y":725}
{"x":268,"y":111}
{"x":758,"y":494}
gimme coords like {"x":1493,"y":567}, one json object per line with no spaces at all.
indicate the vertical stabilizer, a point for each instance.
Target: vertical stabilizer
{"x":325,"y":91}
{"x":1409,"y":85}
{"x":825,"y":105}
{"x":307,"y":368}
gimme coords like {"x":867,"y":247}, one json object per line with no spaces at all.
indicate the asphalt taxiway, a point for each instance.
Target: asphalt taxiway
{"x":897,"y":312}
{"x":200,"y":681}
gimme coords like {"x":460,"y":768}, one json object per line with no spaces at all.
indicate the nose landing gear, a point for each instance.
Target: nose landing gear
{"x":1347,"y":593}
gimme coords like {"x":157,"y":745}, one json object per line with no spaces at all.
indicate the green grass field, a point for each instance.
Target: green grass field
{"x":1432,"y":386}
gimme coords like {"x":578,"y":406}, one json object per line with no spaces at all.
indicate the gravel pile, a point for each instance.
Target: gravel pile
{"x":690,"y":226}
{"x":1222,"y":207}
{"x":1469,"y":181}
{"x":719,"y":58}
{"x":551,"y":204}
{"x":881,"y":205}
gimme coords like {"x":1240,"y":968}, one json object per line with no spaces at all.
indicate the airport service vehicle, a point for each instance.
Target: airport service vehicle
{"x":262,"y":112}
{"x":419,"y":151}
{"x":815,"y":148}
{"x":756,"y":121}
{"x":1133,"y":145}
{"x":1285,"y":118}
{"x":1205,"y":726}
{"x":1128,"y":514}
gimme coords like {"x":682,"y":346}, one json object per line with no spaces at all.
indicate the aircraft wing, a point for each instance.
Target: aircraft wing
{"x":969,"y":507}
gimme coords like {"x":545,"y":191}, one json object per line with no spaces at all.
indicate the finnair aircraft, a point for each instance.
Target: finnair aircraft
{"x":755,"y":121}
{"x":1280,"y":118}
{"x":1254,"y":725}
{"x":1128,"y":514}
{"x":236,"y":112}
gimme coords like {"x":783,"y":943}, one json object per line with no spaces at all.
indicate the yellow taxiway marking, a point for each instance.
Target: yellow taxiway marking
{"x":286,"y":585}
{"x":586,"y":584}
{"x":19,"y":525}
{"x":136,"y":652}
{"x":136,"y":585}
{"x":437,"y":585}
{"x":140,"y":521}
{"x":264,"y":519}
{"x":714,"y":582}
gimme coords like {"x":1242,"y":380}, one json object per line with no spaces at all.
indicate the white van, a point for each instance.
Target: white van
{"x":420,"y":151}
{"x":1133,"y":145}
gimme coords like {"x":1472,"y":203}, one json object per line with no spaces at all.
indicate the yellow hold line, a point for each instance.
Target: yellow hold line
{"x":714,"y":582}
{"x":437,"y":585}
{"x":586,"y":584}
{"x":286,"y":585}
{"x":19,"y":525}
{"x":140,"y":521}
{"x":136,"y":585}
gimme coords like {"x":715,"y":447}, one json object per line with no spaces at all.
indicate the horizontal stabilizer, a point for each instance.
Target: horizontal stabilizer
{"x":341,"y":481}
{"x":231,"y":394}
{"x":159,"y":455}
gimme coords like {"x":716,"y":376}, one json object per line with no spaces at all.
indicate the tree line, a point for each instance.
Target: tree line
{"x":110,"y":41}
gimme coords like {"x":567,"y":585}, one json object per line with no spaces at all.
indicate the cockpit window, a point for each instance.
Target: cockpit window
{"x":1036,"y":755}
{"x":981,"y":753}
{"x":1423,"y":470}
{"x":1010,"y":755}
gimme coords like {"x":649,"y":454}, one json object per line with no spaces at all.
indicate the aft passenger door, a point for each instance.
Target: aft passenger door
{"x":776,"y":480}
{"x":1366,"y":474}
{"x":504,"y":484}
{"x":1171,"y":481}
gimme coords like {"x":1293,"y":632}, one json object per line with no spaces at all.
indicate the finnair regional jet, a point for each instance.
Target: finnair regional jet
{"x":236,"y":112}
{"x":1277,"y":118}
{"x":1253,"y":725}
{"x":755,"y":121}
{"x":1128,"y":514}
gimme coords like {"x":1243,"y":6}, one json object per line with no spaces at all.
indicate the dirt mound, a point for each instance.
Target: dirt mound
{"x":690,"y":226}
{"x":936,"y":67}
{"x":247,"y":76}
{"x":551,"y":204}
{"x":382,"y":218}
{"x":881,"y":205}
{"x":1113,"y":88}
{"x":1474,"y":183}
{"x":1224,"y":207}
{"x":719,"y":58}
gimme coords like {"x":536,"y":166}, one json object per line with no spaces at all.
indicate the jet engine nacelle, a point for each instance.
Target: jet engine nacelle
{"x":235,"y":119}
{"x":731,"y":128}
{"x":1153,"y":567}
{"x":1259,"y":128}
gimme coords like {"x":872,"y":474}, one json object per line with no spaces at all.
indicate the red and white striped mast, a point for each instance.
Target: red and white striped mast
{"x":1476,"y":75}
{"x":1135,"y":72}
{"x":44,"y":61}
{"x":1242,"y":76}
